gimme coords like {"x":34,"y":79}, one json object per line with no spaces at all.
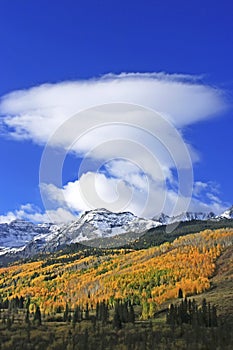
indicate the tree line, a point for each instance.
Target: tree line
{"x":188,"y":312}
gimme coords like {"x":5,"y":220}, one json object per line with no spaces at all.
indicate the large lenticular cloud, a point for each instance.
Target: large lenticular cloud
{"x":36,"y":113}
{"x":139,"y":160}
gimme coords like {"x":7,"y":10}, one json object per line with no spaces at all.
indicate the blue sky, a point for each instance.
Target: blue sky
{"x":51,"y":42}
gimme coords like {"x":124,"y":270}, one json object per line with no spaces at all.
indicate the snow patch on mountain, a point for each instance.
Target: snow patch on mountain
{"x":227,"y":214}
{"x":15,"y":236}
{"x":18,"y":233}
{"x":27,"y":238}
{"x":100,"y":223}
{"x":187,"y":216}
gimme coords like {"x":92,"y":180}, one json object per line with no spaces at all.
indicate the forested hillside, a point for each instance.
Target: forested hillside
{"x":122,"y":298}
{"x":145,"y":277}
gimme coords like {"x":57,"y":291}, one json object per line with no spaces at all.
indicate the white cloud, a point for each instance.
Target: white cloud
{"x":36,"y":113}
{"x":32,"y":213}
{"x":199,"y":187}
{"x":147,"y":198}
{"x":139,"y":148}
{"x":116,"y":194}
{"x":7,"y":218}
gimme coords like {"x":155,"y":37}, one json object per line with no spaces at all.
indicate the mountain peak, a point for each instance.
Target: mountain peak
{"x":227,"y":214}
{"x":185,"y":216}
{"x":91,"y":225}
{"x":100,"y":223}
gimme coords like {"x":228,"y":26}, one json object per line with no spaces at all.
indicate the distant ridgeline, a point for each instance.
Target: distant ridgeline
{"x":103,"y":229}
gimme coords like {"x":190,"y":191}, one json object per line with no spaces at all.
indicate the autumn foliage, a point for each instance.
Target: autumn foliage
{"x":147,"y":277}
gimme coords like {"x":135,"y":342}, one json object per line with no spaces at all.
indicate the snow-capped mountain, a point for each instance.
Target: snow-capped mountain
{"x":99,"y":223}
{"x":162,"y":218}
{"x":26,"y":239}
{"x":187,"y":216}
{"x":227,"y":214}
{"x":18,"y":233}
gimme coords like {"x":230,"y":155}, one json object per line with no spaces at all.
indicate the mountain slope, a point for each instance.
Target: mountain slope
{"x":145,"y":276}
{"x":99,"y":223}
{"x":227,"y":214}
{"x":24,"y":239}
{"x":189,"y":216}
{"x":19,"y":233}
{"x":221,"y":286}
{"x":99,"y":227}
{"x":186,"y":216}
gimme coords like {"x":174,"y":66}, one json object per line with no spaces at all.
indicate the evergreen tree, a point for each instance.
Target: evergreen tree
{"x":105,"y":313}
{"x":8,"y":322}
{"x":102,"y":311}
{"x":189,"y":313}
{"x":116,"y":318}
{"x":209,"y":316}
{"x":131,"y":314}
{"x":21,"y":302}
{"x":171,"y":316}
{"x":76,"y":316}
{"x":5,"y":304}
{"x":17,"y":301}
{"x":28,"y":303}
{"x":27,"y":316}
{"x":87,"y":312}
{"x":97,"y":311}
{"x":37,"y":316}
{"x":125,"y":313}
{"x":180,"y":294}
{"x":204,"y":313}
{"x":66,"y":313}
{"x":214,"y":321}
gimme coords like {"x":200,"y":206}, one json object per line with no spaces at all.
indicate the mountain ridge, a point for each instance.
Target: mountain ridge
{"x":26,"y":238}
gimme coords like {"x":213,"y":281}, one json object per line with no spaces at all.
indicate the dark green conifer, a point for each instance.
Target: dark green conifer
{"x":37,"y":316}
